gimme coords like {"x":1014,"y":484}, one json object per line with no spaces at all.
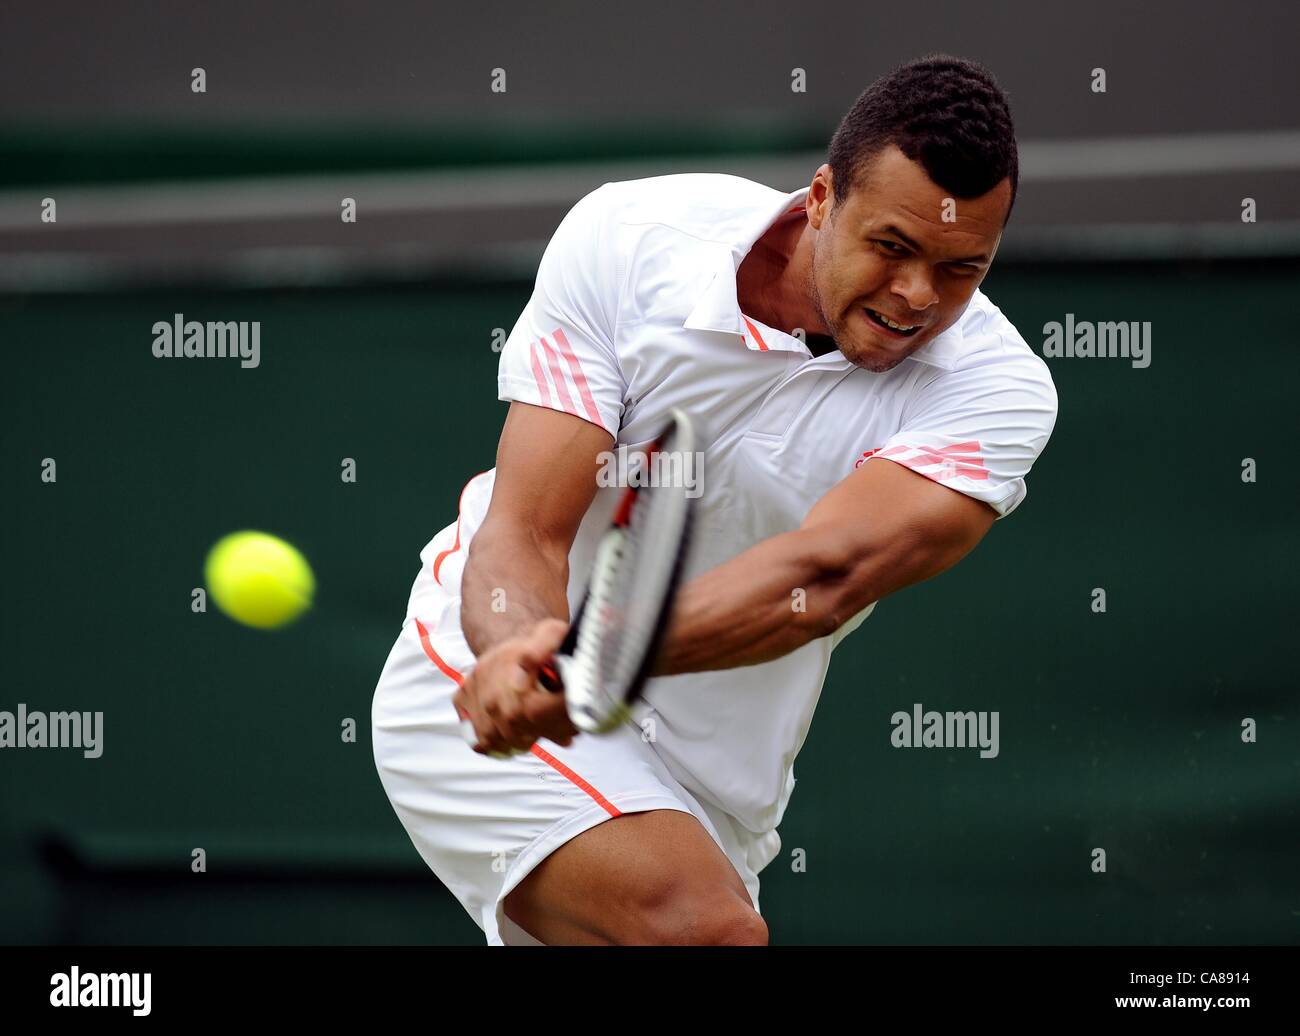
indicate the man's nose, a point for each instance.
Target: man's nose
{"x":915,"y":286}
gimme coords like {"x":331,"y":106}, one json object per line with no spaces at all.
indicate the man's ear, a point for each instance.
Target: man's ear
{"x":824,"y":209}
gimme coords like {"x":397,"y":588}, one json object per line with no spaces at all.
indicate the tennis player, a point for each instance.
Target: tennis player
{"x":865,"y":415}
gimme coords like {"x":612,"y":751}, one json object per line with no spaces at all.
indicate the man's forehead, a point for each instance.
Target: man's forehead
{"x":894,"y":187}
{"x":948,"y":217}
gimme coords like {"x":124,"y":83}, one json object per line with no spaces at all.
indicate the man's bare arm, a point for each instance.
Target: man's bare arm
{"x":545,"y":481}
{"x":879,"y":530}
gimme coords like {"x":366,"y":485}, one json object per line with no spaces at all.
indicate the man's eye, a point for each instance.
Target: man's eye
{"x":891,"y":246}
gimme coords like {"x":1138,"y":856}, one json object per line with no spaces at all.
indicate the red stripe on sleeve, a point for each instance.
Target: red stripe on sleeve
{"x":539,"y":375}
{"x":579,"y":378}
{"x":557,"y":376}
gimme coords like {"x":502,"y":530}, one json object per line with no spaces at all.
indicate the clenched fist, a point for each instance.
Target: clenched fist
{"x":503,"y":700}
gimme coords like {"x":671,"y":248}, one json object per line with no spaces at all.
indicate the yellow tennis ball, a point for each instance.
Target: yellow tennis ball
{"x":259,"y":579}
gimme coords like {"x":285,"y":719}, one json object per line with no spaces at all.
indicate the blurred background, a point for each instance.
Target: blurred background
{"x":1119,"y":730}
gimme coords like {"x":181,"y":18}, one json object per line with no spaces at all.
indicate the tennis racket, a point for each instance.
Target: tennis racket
{"x":605,"y":659}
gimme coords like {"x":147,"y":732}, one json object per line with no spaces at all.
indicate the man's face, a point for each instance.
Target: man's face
{"x":889,"y":253}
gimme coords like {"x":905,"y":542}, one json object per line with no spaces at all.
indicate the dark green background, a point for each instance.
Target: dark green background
{"x":1119,"y":731}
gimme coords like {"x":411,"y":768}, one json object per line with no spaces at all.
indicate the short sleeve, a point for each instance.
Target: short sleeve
{"x":979,"y":430}
{"x":560,"y":353}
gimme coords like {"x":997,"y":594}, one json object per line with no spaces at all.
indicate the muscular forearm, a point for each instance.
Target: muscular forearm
{"x":801,"y":585}
{"x":760,"y":605}
{"x":510,"y":583}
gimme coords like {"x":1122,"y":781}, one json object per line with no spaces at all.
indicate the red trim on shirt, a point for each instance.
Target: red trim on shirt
{"x":538,"y":375}
{"x":557,"y":376}
{"x":437,"y":562}
{"x":960,"y":460}
{"x":579,"y":379}
{"x":434,"y":657}
{"x":546,"y":757}
{"x":762,"y":345}
{"x":537,"y":749}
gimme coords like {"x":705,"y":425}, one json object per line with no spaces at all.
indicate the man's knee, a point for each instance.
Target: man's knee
{"x":676,"y":914}
{"x":742,"y":927}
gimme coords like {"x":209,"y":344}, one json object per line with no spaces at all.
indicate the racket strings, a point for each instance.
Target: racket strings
{"x":632,"y":579}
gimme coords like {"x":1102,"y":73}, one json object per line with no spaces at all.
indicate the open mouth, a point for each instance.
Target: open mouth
{"x":891,"y":327}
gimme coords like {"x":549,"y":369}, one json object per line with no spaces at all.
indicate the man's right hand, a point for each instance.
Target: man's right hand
{"x":503,"y":700}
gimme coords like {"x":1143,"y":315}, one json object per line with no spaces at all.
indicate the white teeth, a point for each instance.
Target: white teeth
{"x":889,"y":323}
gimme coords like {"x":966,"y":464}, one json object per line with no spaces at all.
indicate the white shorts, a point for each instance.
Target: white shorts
{"x":483,"y":824}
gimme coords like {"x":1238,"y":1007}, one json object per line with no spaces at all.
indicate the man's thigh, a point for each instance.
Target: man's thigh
{"x":648,"y":878}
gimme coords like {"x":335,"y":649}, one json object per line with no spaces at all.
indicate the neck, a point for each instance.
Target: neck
{"x":766,"y":281}
{"x":820,"y":345}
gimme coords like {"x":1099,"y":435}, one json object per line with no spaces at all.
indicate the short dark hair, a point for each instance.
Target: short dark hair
{"x":947,"y":113}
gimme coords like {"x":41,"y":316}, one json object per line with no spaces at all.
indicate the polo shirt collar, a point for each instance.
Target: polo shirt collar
{"x":717,"y":308}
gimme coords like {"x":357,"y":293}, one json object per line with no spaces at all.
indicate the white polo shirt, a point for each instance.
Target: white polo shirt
{"x":634,"y":312}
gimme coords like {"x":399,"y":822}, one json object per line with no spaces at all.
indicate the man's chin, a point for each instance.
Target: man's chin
{"x":877,"y":358}
{"x":874,"y":360}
